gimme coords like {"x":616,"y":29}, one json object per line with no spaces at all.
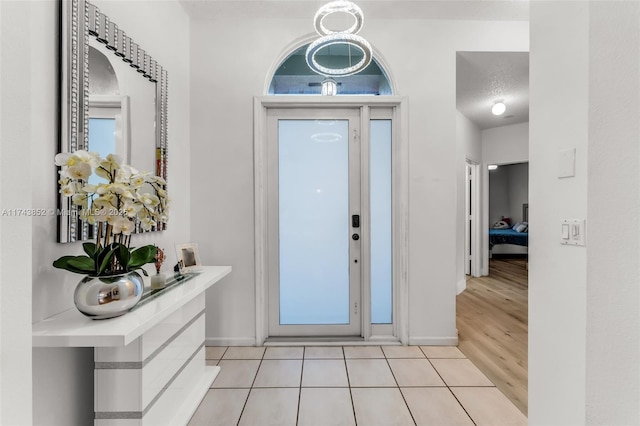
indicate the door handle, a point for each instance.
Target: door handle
{"x":355,"y":221}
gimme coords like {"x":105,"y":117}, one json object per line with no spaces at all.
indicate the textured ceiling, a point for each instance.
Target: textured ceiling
{"x":485,"y":77}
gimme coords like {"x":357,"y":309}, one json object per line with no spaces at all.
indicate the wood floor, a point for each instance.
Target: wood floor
{"x":492,"y":321}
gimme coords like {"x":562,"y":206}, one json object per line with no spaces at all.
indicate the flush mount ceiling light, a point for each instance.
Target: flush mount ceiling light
{"x":498,"y":108}
{"x":346,"y":37}
{"x":492,"y":166}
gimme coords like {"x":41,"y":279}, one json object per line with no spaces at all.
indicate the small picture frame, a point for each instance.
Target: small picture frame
{"x":188,"y":258}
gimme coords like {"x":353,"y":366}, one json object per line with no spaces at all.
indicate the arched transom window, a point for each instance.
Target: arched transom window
{"x":294,"y":77}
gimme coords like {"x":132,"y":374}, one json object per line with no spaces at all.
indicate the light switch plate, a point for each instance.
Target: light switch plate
{"x":573,"y":232}
{"x":567,"y":163}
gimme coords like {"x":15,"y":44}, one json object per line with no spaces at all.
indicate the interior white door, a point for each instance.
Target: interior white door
{"x":468,"y":219}
{"x":314,"y":186}
{"x":472,"y":220}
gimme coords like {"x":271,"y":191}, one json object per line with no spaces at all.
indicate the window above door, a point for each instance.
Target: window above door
{"x":294,"y":77}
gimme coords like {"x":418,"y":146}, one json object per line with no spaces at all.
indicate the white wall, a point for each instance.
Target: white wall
{"x":146,"y":22}
{"x":468,"y":148}
{"x":559,"y":86}
{"x":613,"y":253}
{"x":18,"y":136}
{"x":585,"y":85}
{"x":506,"y":144}
{"x":469,"y":138}
{"x":226,"y":77}
{"x":518,"y":190}
{"x":499,"y":205}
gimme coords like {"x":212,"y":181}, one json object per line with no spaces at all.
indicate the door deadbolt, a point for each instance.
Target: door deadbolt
{"x":355,"y":237}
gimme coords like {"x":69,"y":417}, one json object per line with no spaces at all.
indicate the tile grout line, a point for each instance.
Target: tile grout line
{"x":223,"y":354}
{"x":353,"y":405}
{"x":447,"y":385}
{"x":464,"y":409}
{"x":251,"y":388}
{"x":300,"y":388}
{"x":398,"y":387}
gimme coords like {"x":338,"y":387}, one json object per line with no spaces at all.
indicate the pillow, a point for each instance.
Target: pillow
{"x":524,"y":227}
{"x":501,"y":224}
{"x":515,"y":227}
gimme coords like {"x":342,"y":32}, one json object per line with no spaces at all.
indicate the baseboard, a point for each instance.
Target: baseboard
{"x":413,"y":341}
{"x":230,"y":341}
{"x":433,"y":341}
{"x":462,"y":286}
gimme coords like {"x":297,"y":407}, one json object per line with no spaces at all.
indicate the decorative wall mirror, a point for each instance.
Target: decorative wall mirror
{"x":113,"y":100}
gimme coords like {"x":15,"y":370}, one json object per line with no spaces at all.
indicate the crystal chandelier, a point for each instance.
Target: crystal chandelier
{"x":346,"y":37}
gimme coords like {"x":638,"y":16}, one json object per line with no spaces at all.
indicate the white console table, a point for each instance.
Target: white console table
{"x":150,"y":364}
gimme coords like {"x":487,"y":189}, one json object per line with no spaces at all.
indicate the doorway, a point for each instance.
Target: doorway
{"x":330,"y":221}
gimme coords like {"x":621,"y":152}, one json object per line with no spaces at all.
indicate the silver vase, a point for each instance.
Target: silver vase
{"x":108,"y":296}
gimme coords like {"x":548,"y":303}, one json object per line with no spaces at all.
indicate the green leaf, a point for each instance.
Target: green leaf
{"x":90,"y":249}
{"x":104,"y":257}
{"x":145,"y":273}
{"x":82,"y":263}
{"x":142,"y":256}
{"x":75,"y":264}
{"x":123,"y":255}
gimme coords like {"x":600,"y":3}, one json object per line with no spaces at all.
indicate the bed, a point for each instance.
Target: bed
{"x":507,"y":236}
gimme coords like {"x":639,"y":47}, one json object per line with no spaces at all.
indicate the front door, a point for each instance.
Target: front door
{"x":314,"y":209}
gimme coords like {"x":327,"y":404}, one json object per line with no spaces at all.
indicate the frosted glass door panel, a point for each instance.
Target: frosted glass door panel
{"x":380,"y":187}
{"x":313,"y":161}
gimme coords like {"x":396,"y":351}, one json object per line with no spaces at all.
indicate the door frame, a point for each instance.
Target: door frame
{"x":400,"y":205}
{"x":474,"y":232}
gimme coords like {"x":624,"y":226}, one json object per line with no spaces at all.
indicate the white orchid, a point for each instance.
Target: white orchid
{"x":131,"y":209}
{"x":128,"y":196}
{"x":79,"y":171}
{"x":102,"y":215}
{"x":90,"y":158}
{"x":80,"y":199}
{"x":148,"y":200}
{"x":68,"y":189}
{"x":71,"y":159}
{"x":125,"y":172}
{"x":106,"y":200}
{"x":147,"y":223}
{"x":122,"y":225}
{"x":64,"y":159}
{"x":138,"y":180}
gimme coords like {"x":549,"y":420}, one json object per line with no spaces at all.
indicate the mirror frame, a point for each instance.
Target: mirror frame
{"x":79,"y":21}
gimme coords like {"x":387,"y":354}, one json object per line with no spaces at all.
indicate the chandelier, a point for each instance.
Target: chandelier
{"x":346,"y":37}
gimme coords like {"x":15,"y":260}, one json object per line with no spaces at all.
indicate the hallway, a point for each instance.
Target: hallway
{"x":492,"y":321}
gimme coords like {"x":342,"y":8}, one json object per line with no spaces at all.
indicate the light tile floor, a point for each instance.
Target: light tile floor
{"x":350,"y":385}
